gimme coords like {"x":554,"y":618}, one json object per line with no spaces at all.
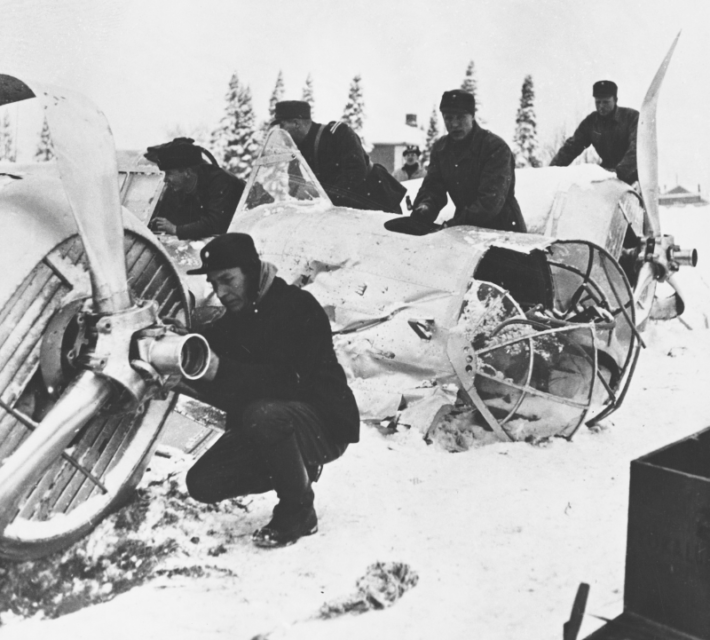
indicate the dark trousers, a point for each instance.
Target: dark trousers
{"x":237,"y":464}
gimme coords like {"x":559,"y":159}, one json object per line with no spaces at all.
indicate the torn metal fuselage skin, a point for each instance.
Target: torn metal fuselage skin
{"x":537,"y":334}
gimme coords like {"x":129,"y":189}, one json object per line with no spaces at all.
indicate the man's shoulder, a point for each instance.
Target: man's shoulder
{"x":339,"y":130}
{"x":440,"y":143}
{"x":284,"y":293}
{"x":627,"y":113}
{"x":491,"y":139}
{"x":212,"y":174}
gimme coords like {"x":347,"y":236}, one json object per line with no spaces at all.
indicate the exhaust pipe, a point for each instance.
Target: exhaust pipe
{"x":687,"y":258}
{"x":171,"y":354}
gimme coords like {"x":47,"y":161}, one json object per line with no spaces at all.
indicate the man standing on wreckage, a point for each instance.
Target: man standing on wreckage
{"x":274,"y":371}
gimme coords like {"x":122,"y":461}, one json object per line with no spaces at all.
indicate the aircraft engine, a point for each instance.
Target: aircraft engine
{"x":86,"y":362}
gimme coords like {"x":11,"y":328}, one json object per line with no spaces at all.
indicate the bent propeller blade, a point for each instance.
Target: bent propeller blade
{"x":647,"y":147}
{"x":86,"y":157}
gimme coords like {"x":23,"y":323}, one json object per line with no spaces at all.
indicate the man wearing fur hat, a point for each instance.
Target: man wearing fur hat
{"x":335,"y":154}
{"x":610,"y":129}
{"x":274,"y":371}
{"x":200,"y":198}
{"x":474,"y":167}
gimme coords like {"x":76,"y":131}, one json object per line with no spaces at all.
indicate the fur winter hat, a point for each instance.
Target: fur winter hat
{"x":176,"y":154}
{"x":604,"y":89}
{"x":458,"y":100}
{"x":292,"y":109}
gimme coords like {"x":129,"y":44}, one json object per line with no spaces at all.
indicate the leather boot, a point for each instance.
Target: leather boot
{"x":294,"y":515}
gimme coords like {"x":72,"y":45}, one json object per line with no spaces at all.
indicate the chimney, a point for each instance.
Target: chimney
{"x":411,"y":119}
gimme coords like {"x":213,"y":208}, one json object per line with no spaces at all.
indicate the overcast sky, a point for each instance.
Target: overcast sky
{"x":153,"y":64}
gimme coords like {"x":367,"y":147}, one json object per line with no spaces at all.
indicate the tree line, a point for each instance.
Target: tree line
{"x":236,"y":139}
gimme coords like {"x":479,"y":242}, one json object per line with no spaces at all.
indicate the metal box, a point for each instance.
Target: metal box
{"x":667,"y":582}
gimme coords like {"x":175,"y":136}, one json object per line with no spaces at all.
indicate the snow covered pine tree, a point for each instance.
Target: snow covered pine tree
{"x":236,"y":140}
{"x":470,"y":85}
{"x":354,"y":113}
{"x":276,"y":96}
{"x":432,"y":135}
{"x":525,"y":145}
{"x":308,"y":95}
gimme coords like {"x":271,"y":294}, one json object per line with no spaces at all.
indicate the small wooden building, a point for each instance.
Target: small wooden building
{"x":390,"y":140}
{"x":681,"y":196}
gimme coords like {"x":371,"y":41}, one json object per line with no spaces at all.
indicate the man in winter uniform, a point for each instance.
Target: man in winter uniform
{"x":411,"y":168}
{"x":334,"y":152}
{"x":200,"y":199}
{"x":273,"y":370}
{"x":475,"y":167}
{"x":610,"y":129}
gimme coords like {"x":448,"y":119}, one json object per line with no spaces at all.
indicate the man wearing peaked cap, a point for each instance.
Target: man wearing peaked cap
{"x":610,"y":129}
{"x":200,"y":198}
{"x":474,"y":167}
{"x":335,"y":154}
{"x":274,"y":371}
{"x":410,"y":169}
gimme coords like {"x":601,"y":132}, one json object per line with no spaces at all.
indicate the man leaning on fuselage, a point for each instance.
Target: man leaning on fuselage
{"x":475,"y":167}
{"x":200,"y":197}
{"x":335,"y":154}
{"x":610,"y":129}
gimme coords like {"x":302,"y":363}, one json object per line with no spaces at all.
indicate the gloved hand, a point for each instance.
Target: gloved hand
{"x":422,"y":212}
{"x":211,"y":371}
{"x":163,"y":225}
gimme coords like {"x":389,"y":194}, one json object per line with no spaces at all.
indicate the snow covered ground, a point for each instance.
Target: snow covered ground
{"x":499,"y":536}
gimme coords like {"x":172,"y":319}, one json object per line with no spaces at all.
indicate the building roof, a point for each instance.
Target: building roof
{"x":675,"y":190}
{"x":394,"y":133}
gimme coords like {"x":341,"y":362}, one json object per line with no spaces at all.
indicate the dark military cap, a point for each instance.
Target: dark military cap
{"x":458,"y":100}
{"x":604,"y":89}
{"x":226,"y":252}
{"x":292,"y":109}
{"x":412,"y":148}
{"x":176,"y":154}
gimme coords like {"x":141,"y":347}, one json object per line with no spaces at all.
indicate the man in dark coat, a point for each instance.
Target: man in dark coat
{"x":200,"y":198}
{"x":610,"y":129}
{"x":334,"y":152}
{"x":475,"y":167}
{"x":274,"y":371}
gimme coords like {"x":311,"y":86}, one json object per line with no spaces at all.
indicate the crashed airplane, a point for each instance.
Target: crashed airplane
{"x":537,"y":333}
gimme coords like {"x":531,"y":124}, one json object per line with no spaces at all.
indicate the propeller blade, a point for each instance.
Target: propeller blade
{"x":647,"y":144}
{"x":79,"y":403}
{"x":86,"y":157}
{"x":671,"y":306}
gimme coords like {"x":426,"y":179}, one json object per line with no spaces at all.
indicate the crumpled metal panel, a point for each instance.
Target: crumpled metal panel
{"x":579,"y":202}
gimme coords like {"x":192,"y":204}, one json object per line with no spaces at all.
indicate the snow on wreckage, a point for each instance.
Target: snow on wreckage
{"x":536,"y":334}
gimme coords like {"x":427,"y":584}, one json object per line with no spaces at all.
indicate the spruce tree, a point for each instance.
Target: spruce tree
{"x":354,"y":113}
{"x":308,"y":95}
{"x":431,"y":136}
{"x":276,"y":96}
{"x":525,"y":145}
{"x":235,"y":141}
{"x":469,"y":81}
{"x":7,"y":139}
{"x":470,"y":85}
{"x":45,"y":150}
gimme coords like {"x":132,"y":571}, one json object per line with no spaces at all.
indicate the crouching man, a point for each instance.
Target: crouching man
{"x":273,"y":370}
